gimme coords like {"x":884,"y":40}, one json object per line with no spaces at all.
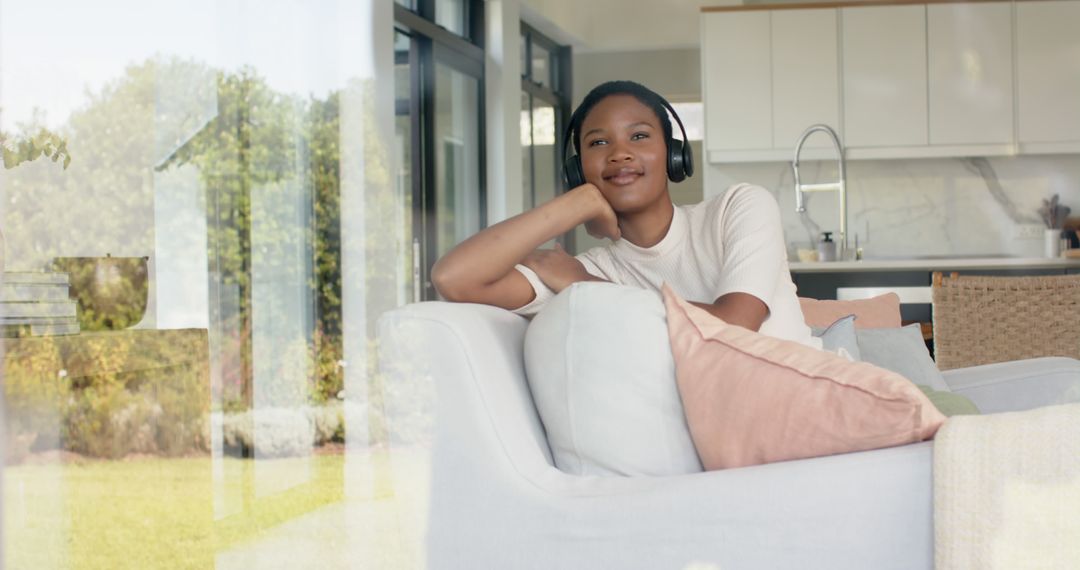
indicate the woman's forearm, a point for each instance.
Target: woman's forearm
{"x":490,"y":255}
{"x":741,"y":309}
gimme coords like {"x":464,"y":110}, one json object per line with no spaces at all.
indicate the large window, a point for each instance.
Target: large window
{"x":205,"y":208}
{"x":545,"y":104}
{"x":440,"y":119}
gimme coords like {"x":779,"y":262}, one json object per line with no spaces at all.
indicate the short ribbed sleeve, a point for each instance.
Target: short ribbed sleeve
{"x":543,"y":293}
{"x":751,"y":237}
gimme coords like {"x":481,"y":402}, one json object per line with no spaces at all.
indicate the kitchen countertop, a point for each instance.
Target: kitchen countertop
{"x":829,"y":4}
{"x":934,"y":264}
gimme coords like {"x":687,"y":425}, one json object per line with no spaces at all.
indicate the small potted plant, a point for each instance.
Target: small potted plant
{"x":1053,"y":214}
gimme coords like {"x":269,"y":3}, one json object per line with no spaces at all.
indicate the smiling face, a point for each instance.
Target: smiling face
{"x":623,"y":153}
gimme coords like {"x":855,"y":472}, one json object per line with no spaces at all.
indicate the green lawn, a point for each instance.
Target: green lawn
{"x":159,"y":513}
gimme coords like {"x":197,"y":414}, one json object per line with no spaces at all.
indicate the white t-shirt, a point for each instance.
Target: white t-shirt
{"x":733,"y":243}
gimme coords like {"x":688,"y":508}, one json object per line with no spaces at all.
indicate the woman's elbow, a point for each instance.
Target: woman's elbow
{"x":444,"y":282}
{"x":452,"y":284}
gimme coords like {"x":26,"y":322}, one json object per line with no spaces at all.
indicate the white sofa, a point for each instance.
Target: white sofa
{"x":497,"y":501}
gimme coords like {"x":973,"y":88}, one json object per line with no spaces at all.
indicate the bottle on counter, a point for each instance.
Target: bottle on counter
{"x":826,"y":248}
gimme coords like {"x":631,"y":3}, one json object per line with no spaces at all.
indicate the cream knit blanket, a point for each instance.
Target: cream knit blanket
{"x":1007,"y":490}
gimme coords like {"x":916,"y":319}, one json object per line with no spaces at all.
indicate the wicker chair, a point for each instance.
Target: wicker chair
{"x":982,"y":320}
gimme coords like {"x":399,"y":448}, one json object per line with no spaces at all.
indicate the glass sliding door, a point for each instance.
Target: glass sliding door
{"x":545,"y":112}
{"x":458,"y":204}
{"x":541,"y":164}
{"x":232,"y":197}
{"x":407,"y":129}
{"x":440,"y":138}
{"x":546,"y":175}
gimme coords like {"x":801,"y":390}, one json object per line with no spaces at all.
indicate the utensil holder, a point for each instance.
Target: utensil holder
{"x":1052,"y":243}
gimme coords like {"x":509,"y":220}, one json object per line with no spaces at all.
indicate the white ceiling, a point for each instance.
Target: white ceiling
{"x":625,"y":25}
{"x":619,"y":25}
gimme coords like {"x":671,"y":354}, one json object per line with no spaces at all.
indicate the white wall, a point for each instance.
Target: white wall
{"x":674,"y":73}
{"x":623,"y":25}
{"x":502,"y":66}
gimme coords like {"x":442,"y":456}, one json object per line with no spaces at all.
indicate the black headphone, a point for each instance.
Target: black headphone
{"x":680,"y":160}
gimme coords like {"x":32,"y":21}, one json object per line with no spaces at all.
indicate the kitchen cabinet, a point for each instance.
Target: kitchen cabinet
{"x":737,"y":81}
{"x":766,"y":76}
{"x":969,"y":51}
{"x":805,"y":76}
{"x":884,"y":76}
{"x":1048,"y":76}
{"x":941,"y":79}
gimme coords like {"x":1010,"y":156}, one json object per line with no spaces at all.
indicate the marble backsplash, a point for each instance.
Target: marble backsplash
{"x":903,"y":208}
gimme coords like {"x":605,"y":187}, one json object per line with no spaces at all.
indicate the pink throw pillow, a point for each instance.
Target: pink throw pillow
{"x":752,"y":399}
{"x":881,"y":312}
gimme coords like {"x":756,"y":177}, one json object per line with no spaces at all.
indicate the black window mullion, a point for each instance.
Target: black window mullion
{"x":565,"y":88}
{"x":426,"y":9}
{"x":527,"y":72}
{"x":416,"y":23}
{"x":542,"y":92}
{"x":476,"y":20}
{"x":566,"y":75}
{"x":416,"y":126}
{"x":432,"y":45}
{"x":482,"y":141}
{"x":557,"y":95}
{"x":426,"y":122}
{"x":456,"y":60}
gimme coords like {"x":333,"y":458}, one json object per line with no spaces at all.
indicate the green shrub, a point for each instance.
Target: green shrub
{"x":132,"y":406}
{"x":91,"y":426}
{"x":35,"y":399}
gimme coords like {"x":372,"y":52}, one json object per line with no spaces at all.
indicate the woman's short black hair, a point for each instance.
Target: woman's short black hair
{"x":647,"y":96}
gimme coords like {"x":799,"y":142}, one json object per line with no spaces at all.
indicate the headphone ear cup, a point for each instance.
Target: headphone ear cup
{"x":676,"y":169}
{"x":688,"y":158}
{"x":572,"y":172}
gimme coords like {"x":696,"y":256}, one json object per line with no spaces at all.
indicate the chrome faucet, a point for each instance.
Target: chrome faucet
{"x":839,"y":186}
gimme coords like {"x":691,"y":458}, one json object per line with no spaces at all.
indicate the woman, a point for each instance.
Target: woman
{"x":726,"y":254}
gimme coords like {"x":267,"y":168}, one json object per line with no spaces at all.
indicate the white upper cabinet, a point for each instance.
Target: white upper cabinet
{"x":884,"y":70}
{"x":805,"y":75}
{"x":969,"y":49}
{"x":895,"y":81}
{"x":737,"y":81}
{"x":767,"y":75}
{"x":1048,"y":72}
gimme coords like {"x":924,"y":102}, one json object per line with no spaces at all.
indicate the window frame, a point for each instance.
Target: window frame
{"x":558,"y":96}
{"x":432,"y":45}
{"x":422,"y":20}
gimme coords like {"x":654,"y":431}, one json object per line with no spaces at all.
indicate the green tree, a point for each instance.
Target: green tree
{"x":266,"y":142}
{"x":44,"y":143}
{"x":259,"y":150}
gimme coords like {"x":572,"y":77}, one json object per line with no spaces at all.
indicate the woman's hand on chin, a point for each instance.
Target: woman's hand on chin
{"x":603,"y":223}
{"x":556,"y":268}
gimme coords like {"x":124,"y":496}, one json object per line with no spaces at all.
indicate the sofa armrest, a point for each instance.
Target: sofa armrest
{"x":465,"y":367}
{"x":1018,"y":385}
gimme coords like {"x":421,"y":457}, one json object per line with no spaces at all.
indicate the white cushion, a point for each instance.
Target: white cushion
{"x":599,"y":365}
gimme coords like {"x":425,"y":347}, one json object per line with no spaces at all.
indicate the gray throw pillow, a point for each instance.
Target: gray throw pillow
{"x":840,"y":334}
{"x":903,"y":351}
{"x":900,"y":350}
